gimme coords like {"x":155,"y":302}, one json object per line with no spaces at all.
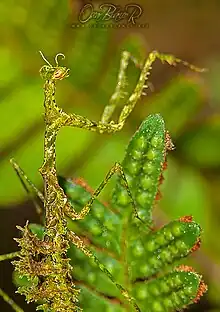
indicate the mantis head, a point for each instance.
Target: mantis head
{"x":50,"y":72}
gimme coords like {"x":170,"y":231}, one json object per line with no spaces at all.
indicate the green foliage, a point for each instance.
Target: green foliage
{"x":142,"y":167}
{"x":175,"y":291}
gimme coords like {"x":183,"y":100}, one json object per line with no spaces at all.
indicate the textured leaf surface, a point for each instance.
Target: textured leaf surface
{"x":143,"y":166}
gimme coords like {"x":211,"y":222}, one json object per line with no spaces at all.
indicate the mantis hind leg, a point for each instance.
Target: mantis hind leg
{"x":116,"y":169}
{"x":10,"y":301}
{"x":4,"y":296}
{"x":29,"y":187}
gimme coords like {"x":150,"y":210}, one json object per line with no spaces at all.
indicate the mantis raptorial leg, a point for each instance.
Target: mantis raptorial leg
{"x":107,"y":125}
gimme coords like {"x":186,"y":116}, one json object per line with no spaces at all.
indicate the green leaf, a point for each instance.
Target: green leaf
{"x":171,"y":292}
{"x":143,"y":167}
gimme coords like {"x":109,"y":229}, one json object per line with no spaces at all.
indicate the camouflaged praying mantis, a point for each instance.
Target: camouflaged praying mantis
{"x":43,"y":259}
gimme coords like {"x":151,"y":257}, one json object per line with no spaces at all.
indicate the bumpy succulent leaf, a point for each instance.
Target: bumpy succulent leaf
{"x":171,"y":292}
{"x":153,"y":252}
{"x":142,"y":165}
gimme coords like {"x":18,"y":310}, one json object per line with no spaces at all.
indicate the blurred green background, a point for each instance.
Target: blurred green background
{"x":188,"y":102}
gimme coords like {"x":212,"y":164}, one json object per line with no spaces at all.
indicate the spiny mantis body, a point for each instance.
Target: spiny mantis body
{"x":44,"y":261}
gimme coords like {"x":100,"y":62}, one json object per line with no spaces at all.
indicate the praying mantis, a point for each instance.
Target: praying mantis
{"x":44,"y":261}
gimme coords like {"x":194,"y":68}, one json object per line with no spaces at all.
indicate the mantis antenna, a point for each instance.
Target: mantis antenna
{"x":56,"y":57}
{"x":44,"y":58}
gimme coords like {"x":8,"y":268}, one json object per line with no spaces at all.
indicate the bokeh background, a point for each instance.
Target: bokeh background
{"x":189,"y":103}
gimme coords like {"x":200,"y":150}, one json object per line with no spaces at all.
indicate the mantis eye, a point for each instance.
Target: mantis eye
{"x":58,"y":74}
